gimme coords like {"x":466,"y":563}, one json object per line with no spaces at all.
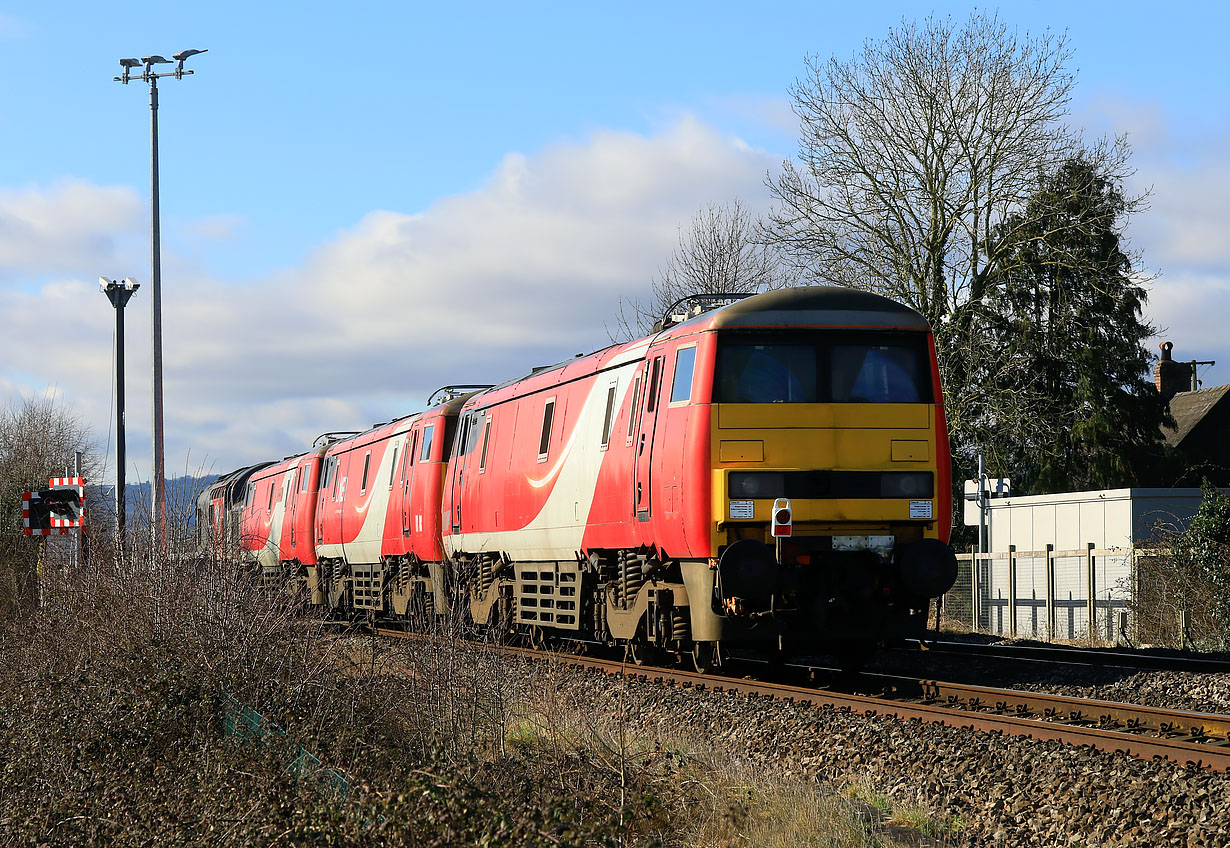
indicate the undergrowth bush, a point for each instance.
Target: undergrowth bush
{"x":1186,"y":577}
{"x":112,"y":704}
{"x":115,"y":692}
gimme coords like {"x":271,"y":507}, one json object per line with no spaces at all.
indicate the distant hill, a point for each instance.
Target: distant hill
{"x":181,"y":496}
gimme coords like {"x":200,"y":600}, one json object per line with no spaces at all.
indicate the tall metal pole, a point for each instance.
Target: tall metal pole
{"x":119,"y":295}
{"x":982,"y":504}
{"x":158,"y":471}
{"x":158,"y":491}
{"x":77,"y":536}
{"x":121,"y":460}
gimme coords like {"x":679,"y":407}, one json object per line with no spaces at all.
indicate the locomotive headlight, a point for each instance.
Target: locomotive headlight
{"x":751,"y":485}
{"x":906,"y":484}
{"x":755,"y":484}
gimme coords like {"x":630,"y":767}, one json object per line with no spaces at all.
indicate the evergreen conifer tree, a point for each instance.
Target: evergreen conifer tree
{"x":1065,"y":318}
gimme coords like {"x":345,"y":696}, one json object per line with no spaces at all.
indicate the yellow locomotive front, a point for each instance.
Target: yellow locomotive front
{"x":830,"y":469}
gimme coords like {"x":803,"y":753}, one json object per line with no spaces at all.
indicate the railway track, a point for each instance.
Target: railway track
{"x":1098,"y":657}
{"x":1197,"y":740}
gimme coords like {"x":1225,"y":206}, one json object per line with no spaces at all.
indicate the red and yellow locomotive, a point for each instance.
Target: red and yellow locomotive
{"x":629,"y":496}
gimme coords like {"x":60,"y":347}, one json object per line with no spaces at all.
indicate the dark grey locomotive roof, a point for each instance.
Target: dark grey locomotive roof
{"x":800,"y":306}
{"x":820,"y":306}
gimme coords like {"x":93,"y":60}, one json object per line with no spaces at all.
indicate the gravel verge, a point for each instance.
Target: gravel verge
{"x":981,"y":789}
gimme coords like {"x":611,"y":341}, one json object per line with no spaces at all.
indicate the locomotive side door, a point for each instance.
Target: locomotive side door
{"x":292,"y":505}
{"x":407,"y":481}
{"x":328,"y":471}
{"x":460,"y":449}
{"x":643,"y":456}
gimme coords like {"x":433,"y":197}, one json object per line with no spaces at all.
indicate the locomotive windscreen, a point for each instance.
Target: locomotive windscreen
{"x":834,"y":368}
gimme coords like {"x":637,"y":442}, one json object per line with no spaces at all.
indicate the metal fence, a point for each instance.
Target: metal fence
{"x":1070,"y":595}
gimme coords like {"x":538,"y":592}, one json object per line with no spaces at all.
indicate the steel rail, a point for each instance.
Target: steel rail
{"x":1079,"y":656}
{"x":1192,"y":739}
{"x":1196,"y":740}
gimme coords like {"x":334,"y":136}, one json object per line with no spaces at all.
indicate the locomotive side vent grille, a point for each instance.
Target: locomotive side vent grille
{"x":271,"y":578}
{"x":365,"y":583}
{"x":548,"y":596}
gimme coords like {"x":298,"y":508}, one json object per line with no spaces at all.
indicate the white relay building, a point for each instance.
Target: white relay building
{"x":1056,"y":562}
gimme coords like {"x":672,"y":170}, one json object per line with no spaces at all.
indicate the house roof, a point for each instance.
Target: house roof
{"x":1189,"y":409}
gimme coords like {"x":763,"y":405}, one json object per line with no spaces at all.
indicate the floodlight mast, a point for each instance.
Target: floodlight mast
{"x":158,"y":511}
{"x":119,"y":293}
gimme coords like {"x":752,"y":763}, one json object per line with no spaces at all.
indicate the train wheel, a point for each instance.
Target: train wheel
{"x":704,"y":656}
{"x":635,"y":653}
{"x":537,"y":638}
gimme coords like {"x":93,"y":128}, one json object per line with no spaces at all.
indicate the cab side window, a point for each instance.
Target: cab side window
{"x":544,"y":440}
{"x":681,"y":385}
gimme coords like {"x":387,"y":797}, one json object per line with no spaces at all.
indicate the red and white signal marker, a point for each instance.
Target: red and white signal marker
{"x":55,"y":511}
{"x":783,"y":519}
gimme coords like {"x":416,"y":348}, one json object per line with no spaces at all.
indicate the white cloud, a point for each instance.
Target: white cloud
{"x":526,"y":270}
{"x":1181,"y":161}
{"x":1188,"y":218}
{"x":772,"y":112}
{"x":71,"y":226}
{"x":1190,"y":309}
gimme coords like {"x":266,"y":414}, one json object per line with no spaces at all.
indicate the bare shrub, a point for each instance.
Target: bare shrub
{"x":114,"y":694}
{"x":39,"y":437}
{"x":1181,"y":595}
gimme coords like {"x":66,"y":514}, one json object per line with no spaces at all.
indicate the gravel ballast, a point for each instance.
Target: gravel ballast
{"x":981,"y":789}
{"x":1194,"y":691}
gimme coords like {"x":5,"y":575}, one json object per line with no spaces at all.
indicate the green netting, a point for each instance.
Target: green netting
{"x":250,"y":727}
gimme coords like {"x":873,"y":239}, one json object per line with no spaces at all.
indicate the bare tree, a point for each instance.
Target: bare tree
{"x":721,"y":252}
{"x":912,"y":152}
{"x":38,"y":439}
{"x":918,"y":158}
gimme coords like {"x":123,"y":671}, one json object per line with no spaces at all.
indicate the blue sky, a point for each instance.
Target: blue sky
{"x":362,"y":204}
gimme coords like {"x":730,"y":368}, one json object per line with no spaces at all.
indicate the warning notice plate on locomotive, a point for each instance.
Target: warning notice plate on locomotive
{"x":920,"y":509}
{"x":744,"y":509}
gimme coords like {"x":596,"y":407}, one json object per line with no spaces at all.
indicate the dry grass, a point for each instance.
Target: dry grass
{"x":680,"y":790}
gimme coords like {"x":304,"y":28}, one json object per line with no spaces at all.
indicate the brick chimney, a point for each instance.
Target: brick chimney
{"x":1169,"y":376}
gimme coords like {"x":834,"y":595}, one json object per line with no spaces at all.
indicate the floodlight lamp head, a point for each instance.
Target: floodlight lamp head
{"x":179,"y":61}
{"x":148,"y":74}
{"x":128,"y":65}
{"x":131,"y":284}
{"x":104,"y":284}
